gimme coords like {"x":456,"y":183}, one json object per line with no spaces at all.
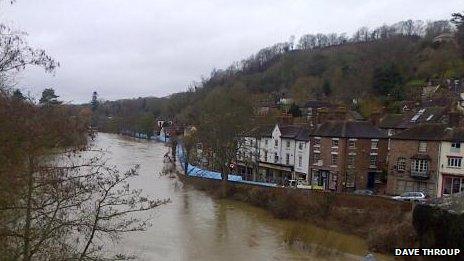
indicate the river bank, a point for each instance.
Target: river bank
{"x":385,"y":224}
{"x":199,"y":226}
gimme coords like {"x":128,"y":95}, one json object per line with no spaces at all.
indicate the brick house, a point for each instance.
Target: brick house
{"x":396,"y":123}
{"x":414,"y":160}
{"x":348,"y":155}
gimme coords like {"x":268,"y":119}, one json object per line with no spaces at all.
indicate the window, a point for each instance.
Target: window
{"x":317,"y":156}
{"x":352,"y":144}
{"x":300,"y":161}
{"x":454,"y":162}
{"x":276,"y":157}
{"x":251,"y":143}
{"x":351,"y":160}
{"x":373,"y":160}
{"x":317,"y":142}
{"x":374,"y":144}
{"x":391,"y":132}
{"x":276,"y":143}
{"x":334,"y":142}
{"x":287,"y":159}
{"x":288,"y":144}
{"x":422,"y":146}
{"x":350,"y":178}
{"x":265,"y":155}
{"x":266,"y":142}
{"x":334,"y":159}
{"x":401,"y":164}
{"x":420,"y":165}
{"x":455,"y":147}
{"x":300,"y":146}
{"x":452,"y":185}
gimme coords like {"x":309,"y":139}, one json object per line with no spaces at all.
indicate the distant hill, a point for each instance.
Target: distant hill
{"x":378,"y":66}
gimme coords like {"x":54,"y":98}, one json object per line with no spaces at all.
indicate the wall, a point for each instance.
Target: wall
{"x":437,"y":228}
{"x":361,"y":168}
{"x":447,"y":150}
{"x":407,"y":149}
{"x":305,"y":156}
{"x":290,"y":150}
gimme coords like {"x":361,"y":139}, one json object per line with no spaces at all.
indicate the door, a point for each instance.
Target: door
{"x":370,"y":180}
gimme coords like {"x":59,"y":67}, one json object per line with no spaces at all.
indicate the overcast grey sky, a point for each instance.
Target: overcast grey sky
{"x":132,"y":48}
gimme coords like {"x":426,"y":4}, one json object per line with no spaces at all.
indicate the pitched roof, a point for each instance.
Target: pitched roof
{"x":432,"y":132}
{"x":391,"y":121}
{"x":317,"y":104}
{"x":349,"y":129}
{"x":294,"y":132}
{"x":355,"y":115}
{"x":410,"y":119}
{"x":286,"y":131}
{"x":289,"y":131}
{"x":303,"y":135}
{"x":262,"y":130}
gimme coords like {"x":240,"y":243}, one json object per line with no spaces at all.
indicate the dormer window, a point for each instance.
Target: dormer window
{"x":456,"y":147}
{"x":352,"y":144}
{"x":422,"y":146}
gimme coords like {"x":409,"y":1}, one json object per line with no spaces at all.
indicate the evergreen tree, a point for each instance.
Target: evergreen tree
{"x":18,"y":95}
{"x":326,"y":88}
{"x":294,"y":110}
{"x":386,"y":78}
{"x":94,"y":102}
{"x":49,"y":97}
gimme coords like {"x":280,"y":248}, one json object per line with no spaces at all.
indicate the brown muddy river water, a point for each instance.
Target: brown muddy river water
{"x":195,"y":226}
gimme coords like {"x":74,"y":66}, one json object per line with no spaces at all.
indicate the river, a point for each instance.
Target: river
{"x":195,"y":226}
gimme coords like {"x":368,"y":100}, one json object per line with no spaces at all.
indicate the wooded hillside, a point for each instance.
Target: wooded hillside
{"x":377,"y":67}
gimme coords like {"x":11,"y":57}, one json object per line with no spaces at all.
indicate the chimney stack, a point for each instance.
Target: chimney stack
{"x":454,"y":119}
{"x":375,"y":118}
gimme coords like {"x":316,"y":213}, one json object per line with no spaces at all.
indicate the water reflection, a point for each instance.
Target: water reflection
{"x":195,"y":226}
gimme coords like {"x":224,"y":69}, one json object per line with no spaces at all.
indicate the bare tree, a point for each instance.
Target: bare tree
{"x":58,"y":202}
{"x":225,"y":114}
{"x":16,"y":54}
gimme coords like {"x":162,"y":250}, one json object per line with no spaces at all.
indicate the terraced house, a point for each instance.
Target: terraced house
{"x":451,"y":170}
{"x":415,"y":161}
{"x":348,"y":155}
{"x":281,"y":153}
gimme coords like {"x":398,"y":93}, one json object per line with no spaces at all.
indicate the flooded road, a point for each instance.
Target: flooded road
{"x":195,"y":226}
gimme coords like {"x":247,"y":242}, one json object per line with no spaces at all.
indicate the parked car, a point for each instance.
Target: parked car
{"x":298,"y":184}
{"x":411,"y":196}
{"x":365,"y":192}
